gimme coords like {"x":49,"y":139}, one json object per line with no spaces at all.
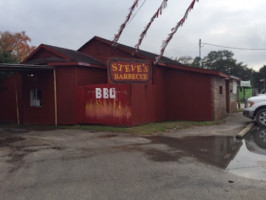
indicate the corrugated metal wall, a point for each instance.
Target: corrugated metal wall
{"x":68,"y":79}
{"x":66,"y":95}
{"x":148,"y":100}
{"x":8,"y":111}
{"x":189,"y":96}
{"x":38,"y":115}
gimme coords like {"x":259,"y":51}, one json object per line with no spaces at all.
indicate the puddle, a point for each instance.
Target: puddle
{"x":250,"y":162}
{"x":246,"y":158}
{"x":214,"y":150}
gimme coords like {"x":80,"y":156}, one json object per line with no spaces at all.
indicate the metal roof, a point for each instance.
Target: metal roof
{"x":23,"y":67}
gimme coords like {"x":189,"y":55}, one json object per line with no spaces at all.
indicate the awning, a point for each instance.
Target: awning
{"x":23,"y":67}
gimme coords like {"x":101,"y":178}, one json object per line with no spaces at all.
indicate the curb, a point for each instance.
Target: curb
{"x":242,"y":133}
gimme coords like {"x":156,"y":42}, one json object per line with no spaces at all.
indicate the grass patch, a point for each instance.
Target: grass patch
{"x":240,"y":109}
{"x":146,"y":129}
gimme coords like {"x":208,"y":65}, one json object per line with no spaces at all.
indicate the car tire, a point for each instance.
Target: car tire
{"x":261,"y":117}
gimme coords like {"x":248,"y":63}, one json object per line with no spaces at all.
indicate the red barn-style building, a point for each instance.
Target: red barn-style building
{"x":60,"y":86}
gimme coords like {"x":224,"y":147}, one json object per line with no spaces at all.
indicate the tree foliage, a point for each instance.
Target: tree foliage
{"x":15,"y":44}
{"x":224,"y":61}
{"x":7,"y":57}
{"x":186,"y":60}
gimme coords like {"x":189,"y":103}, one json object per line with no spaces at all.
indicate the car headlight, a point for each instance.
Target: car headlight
{"x":250,"y":103}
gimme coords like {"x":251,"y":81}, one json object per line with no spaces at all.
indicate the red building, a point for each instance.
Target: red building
{"x":61,"y":86}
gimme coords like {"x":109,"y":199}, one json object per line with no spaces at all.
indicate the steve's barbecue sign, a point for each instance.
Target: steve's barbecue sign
{"x":129,"y":71}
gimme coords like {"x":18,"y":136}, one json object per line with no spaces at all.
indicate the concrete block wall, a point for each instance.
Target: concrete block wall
{"x":219,"y":97}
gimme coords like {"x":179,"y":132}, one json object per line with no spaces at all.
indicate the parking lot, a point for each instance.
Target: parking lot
{"x":76,"y":164}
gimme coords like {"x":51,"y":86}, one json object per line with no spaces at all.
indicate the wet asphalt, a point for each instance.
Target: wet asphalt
{"x":195,"y":163}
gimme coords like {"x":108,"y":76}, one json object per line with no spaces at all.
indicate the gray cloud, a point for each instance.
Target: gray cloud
{"x":67,"y":23}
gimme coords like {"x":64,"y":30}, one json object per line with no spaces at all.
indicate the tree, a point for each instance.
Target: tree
{"x":16,"y":44}
{"x":186,"y":60}
{"x":260,"y":75}
{"x":196,"y":62}
{"x":223,"y":61}
{"x":7,"y":57}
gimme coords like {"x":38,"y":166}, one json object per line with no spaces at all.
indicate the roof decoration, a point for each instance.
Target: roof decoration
{"x":117,"y":36}
{"x":173,"y":30}
{"x":156,"y":14}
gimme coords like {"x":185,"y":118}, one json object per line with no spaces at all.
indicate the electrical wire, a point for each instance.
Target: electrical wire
{"x":137,"y":11}
{"x":237,"y":48}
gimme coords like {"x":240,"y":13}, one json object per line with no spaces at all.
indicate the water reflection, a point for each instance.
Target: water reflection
{"x":250,"y":161}
{"x":256,"y":141}
{"x":214,"y":150}
{"x":245,"y":158}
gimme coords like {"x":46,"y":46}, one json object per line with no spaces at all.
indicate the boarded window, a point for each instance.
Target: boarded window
{"x":36,"y":98}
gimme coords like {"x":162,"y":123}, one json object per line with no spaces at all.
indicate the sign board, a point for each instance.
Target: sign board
{"x":129,"y":71}
{"x":104,"y":104}
{"x":245,"y":84}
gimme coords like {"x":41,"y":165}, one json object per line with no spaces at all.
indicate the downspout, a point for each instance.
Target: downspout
{"x":55,"y":99}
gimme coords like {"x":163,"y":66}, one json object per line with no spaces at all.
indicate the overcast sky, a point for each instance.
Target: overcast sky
{"x":71,"y":23}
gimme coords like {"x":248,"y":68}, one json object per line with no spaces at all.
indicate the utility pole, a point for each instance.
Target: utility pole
{"x":200,"y":63}
{"x":200,"y":48}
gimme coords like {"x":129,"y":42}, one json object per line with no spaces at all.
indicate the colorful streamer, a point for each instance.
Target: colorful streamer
{"x":173,"y":31}
{"x":158,"y":12}
{"x":117,"y":36}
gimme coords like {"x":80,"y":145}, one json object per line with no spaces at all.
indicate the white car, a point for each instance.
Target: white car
{"x":256,"y":109}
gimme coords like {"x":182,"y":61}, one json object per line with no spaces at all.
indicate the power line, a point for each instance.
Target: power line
{"x":137,"y":11}
{"x":237,"y":48}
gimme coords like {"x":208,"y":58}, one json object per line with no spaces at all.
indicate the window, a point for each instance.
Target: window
{"x":220,"y":89}
{"x":36,"y":98}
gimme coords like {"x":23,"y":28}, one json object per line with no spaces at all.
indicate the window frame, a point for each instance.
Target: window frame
{"x":36,"y":98}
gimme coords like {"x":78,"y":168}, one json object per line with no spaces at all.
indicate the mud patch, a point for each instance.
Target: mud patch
{"x":13,"y":131}
{"x":14,"y":149}
{"x":8,"y":140}
{"x":107,"y":136}
{"x":162,"y":156}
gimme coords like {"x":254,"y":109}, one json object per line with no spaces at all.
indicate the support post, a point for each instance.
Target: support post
{"x":16,"y":95}
{"x":55,"y":99}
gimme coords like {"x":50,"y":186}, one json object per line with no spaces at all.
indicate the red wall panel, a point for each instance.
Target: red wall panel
{"x":43,"y":53}
{"x":87,"y":76}
{"x":66,"y":95}
{"x":68,"y":80}
{"x":148,"y":100}
{"x":8,"y":112}
{"x":103,"y":51}
{"x":189,"y":96}
{"x":42,"y":80}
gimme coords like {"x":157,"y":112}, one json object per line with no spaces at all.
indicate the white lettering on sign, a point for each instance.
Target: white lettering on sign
{"x":98,"y":93}
{"x":105,"y":93}
{"x":112,"y":93}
